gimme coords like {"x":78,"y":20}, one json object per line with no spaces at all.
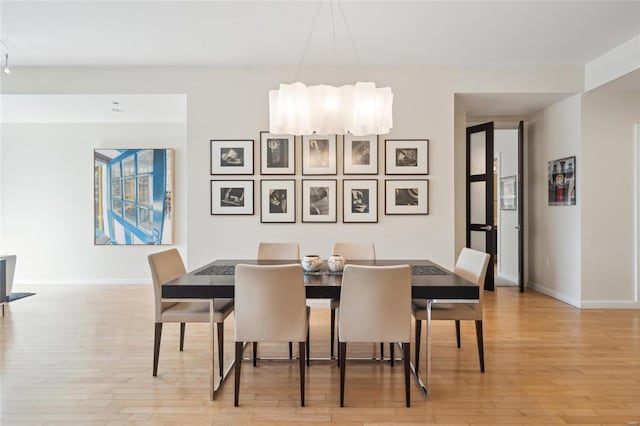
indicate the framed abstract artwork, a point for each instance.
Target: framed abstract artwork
{"x":277,"y":154}
{"x":232,"y":197}
{"x":231,"y":157}
{"x":406,"y":196}
{"x":319,"y":200}
{"x":319,"y":155}
{"x":360,"y":155}
{"x":508,"y":193}
{"x":133,"y":196}
{"x":278,"y":201}
{"x":360,"y":201}
{"x":407,"y":156}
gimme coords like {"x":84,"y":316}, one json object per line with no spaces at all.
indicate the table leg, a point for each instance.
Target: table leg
{"x":428,"y":349}
{"x":212,"y":348}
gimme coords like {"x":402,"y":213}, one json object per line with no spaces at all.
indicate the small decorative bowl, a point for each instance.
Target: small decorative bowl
{"x":312,"y":263}
{"x":336,"y":263}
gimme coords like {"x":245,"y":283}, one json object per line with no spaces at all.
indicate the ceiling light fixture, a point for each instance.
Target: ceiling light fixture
{"x":5,"y":68}
{"x":360,"y":109}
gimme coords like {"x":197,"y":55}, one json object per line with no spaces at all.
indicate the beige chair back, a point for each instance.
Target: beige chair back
{"x":472,"y":265}
{"x":165,"y":266}
{"x":375,"y":304}
{"x":355,"y":251}
{"x":278,"y":251}
{"x":270,"y":303}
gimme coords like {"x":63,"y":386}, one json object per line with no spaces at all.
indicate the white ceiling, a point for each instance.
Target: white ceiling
{"x":274,"y":32}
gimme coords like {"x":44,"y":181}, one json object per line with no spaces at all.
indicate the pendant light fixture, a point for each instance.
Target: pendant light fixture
{"x":359,"y":109}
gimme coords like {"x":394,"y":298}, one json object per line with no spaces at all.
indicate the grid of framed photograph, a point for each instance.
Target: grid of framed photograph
{"x":232,"y":157}
{"x":319,"y":199}
{"x":277,"y":154}
{"x":360,"y":155}
{"x":278,"y":201}
{"x":360,"y":201}
{"x":407,"y":156}
{"x":232,"y":197}
{"x":406,"y":196}
{"x":319,"y":155}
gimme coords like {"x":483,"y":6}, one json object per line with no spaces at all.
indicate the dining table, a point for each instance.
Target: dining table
{"x":429,"y":282}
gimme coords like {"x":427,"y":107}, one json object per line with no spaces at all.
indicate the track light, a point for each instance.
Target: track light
{"x":6,"y":69}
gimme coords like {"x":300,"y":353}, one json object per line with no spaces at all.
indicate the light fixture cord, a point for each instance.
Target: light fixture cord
{"x":306,"y":43}
{"x":333,"y":28}
{"x":353,"y":43}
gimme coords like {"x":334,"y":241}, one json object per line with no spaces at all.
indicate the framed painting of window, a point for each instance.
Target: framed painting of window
{"x":232,"y":197}
{"x":231,"y":157}
{"x":319,"y":155}
{"x":360,"y":201}
{"x":407,"y":156}
{"x":405,"y":196}
{"x":277,"y":154}
{"x":277,"y":201}
{"x":319,"y":200}
{"x":133,"y":196}
{"x":360,"y":155}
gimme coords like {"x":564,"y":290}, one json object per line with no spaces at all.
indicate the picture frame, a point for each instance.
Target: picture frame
{"x":231,"y":156}
{"x":319,"y":155}
{"x":508,"y":193}
{"x":406,"y":156}
{"x":360,"y":201}
{"x":360,"y":155}
{"x":319,"y":200}
{"x":562,"y":182}
{"x":277,"y":154}
{"x":232,"y":197}
{"x":277,"y":201}
{"x":406,"y":196}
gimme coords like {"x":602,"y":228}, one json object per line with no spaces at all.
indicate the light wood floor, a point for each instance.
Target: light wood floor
{"x":75,"y":355}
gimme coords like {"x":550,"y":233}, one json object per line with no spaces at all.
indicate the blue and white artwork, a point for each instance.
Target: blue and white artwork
{"x":133,"y":196}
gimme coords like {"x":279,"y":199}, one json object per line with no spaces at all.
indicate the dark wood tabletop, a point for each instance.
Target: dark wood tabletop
{"x":216,"y":280}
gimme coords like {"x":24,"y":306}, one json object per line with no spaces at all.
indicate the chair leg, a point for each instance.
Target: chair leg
{"x":333,"y":329}
{"x":290,"y":350}
{"x":480,"y":344}
{"x":182,"y":327}
{"x":301,"y":349}
{"x":156,"y":347}
{"x":458,"y":332}
{"x":381,"y":351}
{"x":418,"y":328}
{"x":255,"y":353}
{"x":406,"y":348}
{"x":308,"y":351}
{"x":221,"y":347}
{"x":236,"y":394}
{"x":391,"y":353}
{"x":342,"y":352}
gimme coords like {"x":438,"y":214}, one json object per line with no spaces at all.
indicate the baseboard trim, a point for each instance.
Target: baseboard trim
{"x":610,"y":304}
{"x":554,"y":294}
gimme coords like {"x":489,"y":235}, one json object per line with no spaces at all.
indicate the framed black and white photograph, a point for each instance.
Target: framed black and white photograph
{"x":406,"y":196}
{"x":508,"y":193}
{"x":277,"y":154}
{"x":406,"y":156}
{"x":360,"y":155}
{"x":562,"y":182}
{"x":319,"y":198}
{"x":319,"y":155}
{"x":277,"y":201}
{"x":360,"y":201}
{"x":232,"y":197}
{"x":232,"y":157}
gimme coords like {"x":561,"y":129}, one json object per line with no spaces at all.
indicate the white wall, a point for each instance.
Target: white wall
{"x":48,"y":200}
{"x":607,"y":201}
{"x":506,"y":150}
{"x":555,"y":231}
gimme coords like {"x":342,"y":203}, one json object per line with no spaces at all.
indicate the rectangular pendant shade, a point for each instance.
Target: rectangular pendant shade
{"x":360,"y":109}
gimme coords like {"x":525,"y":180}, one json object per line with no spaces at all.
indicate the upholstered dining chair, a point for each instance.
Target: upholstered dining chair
{"x":10,"y":270}
{"x":277,"y":251}
{"x":472,"y":266}
{"x":166,"y":266}
{"x":351,"y":251}
{"x":270,"y":306}
{"x":375,"y":306}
